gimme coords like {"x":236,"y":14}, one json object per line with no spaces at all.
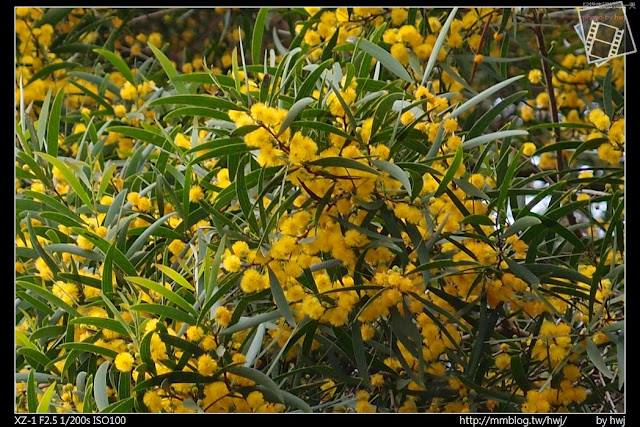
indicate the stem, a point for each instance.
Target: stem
{"x":480,"y":46}
{"x":548,"y":76}
{"x":153,"y":15}
{"x":553,"y":104}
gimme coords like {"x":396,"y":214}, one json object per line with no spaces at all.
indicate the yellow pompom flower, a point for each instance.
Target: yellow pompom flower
{"x":124,"y":362}
{"x":535,"y":76}
{"x":529,"y":149}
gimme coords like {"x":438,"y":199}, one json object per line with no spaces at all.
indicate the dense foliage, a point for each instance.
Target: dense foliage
{"x":367,"y":209}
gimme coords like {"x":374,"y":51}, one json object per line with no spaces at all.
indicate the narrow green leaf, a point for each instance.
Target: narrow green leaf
{"x":521,"y":224}
{"x":51,"y":298}
{"x":470,"y":189}
{"x":70,"y":177}
{"x":118,"y":63}
{"x":482,"y":96}
{"x":259,"y":378}
{"x":453,"y":167}
{"x":32,"y":399}
{"x":359,"y":353}
{"x":100,"y":386}
{"x":487,"y":118}
{"x":102,"y":323}
{"x":249,"y":322}
{"x":43,"y":406}
{"x":344,"y":163}
{"x":385,"y":58}
{"x":170,"y":70}
{"x":483,"y":139}
{"x":140,"y":241}
{"x":256,"y":39}
{"x":438,"y":45}
{"x":607,"y":89}
{"x":175,"y":276}
{"x":163,"y":310}
{"x":53,"y":125}
{"x":594,"y":354}
{"x":89,"y":348}
{"x":309,"y":83}
{"x":523,"y":273}
{"x":395,"y":171}
{"x":279,"y":298}
{"x":167,"y":293}
{"x":293,"y":112}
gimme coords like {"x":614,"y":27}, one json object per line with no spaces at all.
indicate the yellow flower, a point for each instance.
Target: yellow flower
{"x":222,"y":316}
{"x":196,"y":194}
{"x":124,"y":362}
{"x":535,"y":76}
{"x":206,"y":365}
{"x":529,"y":149}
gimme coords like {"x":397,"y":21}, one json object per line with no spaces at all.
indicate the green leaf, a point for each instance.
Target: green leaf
{"x":506,"y":182}
{"x":385,"y":58}
{"x":89,"y":348}
{"x":70,"y":177}
{"x":344,"y":163}
{"x":395,"y":171}
{"x":607,"y":89}
{"x":121,"y":406}
{"x":293,"y":112}
{"x":43,"y":406}
{"x":167,"y":293}
{"x":51,"y":298}
{"x":196,"y":111}
{"x":309,"y":83}
{"x":100,"y":386}
{"x":32,"y":399}
{"x":470,"y":189}
{"x":259,"y":378}
{"x":118,"y":257}
{"x":172,"y":378}
{"x":591,"y":144}
{"x":359,"y":353}
{"x":596,"y":358}
{"x":163,"y":310}
{"x":249,"y":322}
{"x":438,"y":45}
{"x":102,"y":323}
{"x":207,"y":101}
{"x":53,"y":125}
{"x":521,"y":224}
{"x":140,"y":241}
{"x":243,"y":198}
{"x":453,"y":167}
{"x":169,"y":69}
{"x":118,"y":63}
{"x":256,"y":39}
{"x":523,"y":273}
{"x":175,"y":276}
{"x":487,"y":118}
{"x":35,"y":355}
{"x":482,"y":96}
{"x":483,"y":139}
{"x":279,"y":298}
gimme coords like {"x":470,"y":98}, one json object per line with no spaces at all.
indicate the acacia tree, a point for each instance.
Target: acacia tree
{"x":352,"y":209}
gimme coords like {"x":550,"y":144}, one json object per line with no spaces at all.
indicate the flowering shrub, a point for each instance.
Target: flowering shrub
{"x":367,"y":209}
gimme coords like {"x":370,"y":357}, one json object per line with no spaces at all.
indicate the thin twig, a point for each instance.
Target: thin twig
{"x":553,"y":104}
{"x":152,"y":15}
{"x":485,"y":31}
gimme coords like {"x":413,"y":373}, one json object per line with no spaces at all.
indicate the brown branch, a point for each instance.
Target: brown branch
{"x":553,"y":103}
{"x":485,"y":31}
{"x":148,"y":16}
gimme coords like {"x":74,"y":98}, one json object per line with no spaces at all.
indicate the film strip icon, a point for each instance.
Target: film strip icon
{"x":614,"y":43}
